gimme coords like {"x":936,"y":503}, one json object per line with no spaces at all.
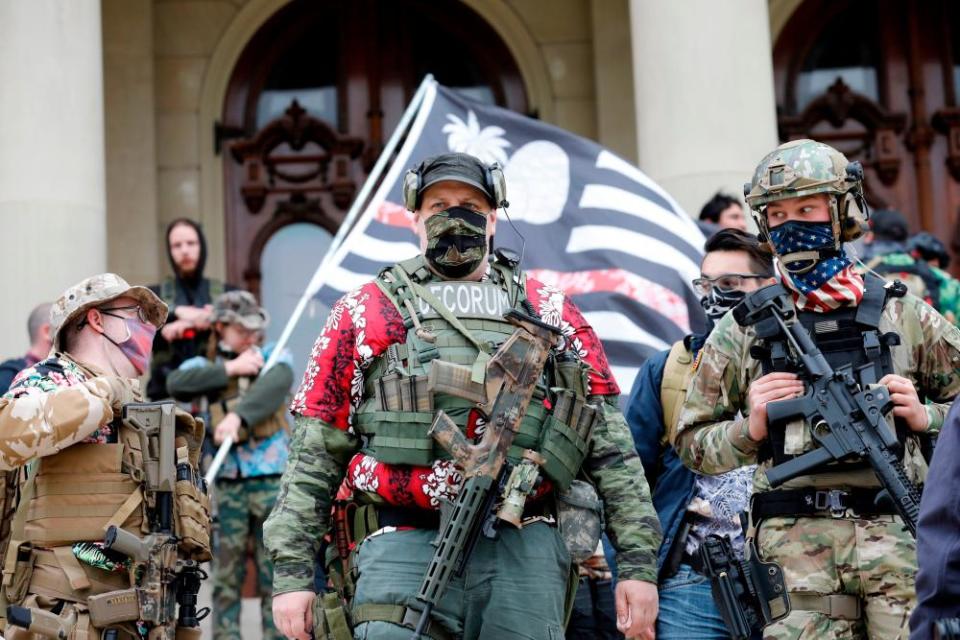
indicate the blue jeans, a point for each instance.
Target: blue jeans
{"x":687,"y":610}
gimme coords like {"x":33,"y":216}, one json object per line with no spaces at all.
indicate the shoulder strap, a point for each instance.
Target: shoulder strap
{"x":874,"y":298}
{"x":673,"y":387}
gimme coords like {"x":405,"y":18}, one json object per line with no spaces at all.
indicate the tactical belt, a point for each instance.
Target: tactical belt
{"x":391,"y":516}
{"x":817,"y":502}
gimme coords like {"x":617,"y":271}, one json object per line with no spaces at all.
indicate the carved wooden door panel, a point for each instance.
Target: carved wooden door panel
{"x":314,"y":96}
{"x":878,"y":81}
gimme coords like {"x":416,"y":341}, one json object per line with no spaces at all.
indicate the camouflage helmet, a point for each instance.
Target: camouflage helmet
{"x":806,"y":167}
{"x":240,"y":307}
{"x":96,"y":291}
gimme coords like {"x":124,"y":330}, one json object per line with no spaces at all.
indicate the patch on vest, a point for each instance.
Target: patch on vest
{"x":467,"y":300}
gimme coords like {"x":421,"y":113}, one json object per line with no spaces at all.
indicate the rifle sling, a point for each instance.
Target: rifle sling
{"x":397,"y":614}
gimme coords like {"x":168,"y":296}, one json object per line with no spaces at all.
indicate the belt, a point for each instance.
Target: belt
{"x":838,"y":606}
{"x":390,"y":516}
{"x":818,"y":502}
{"x":414,"y":518}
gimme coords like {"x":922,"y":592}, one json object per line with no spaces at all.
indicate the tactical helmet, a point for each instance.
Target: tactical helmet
{"x":928,"y":247}
{"x":805,"y":167}
{"x":240,"y":307}
{"x":96,"y":291}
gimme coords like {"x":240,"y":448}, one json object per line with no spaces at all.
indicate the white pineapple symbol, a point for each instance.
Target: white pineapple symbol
{"x":537,"y":174}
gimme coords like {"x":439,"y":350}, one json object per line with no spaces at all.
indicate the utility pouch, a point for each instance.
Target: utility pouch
{"x":17,"y":571}
{"x":565,"y":437}
{"x":113,"y":607}
{"x":330,"y":618}
{"x":580,"y":519}
{"x":571,"y":373}
{"x":192,"y":509}
{"x":193,"y":520}
{"x":188,"y":633}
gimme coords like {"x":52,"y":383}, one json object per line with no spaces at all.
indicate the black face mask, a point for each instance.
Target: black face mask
{"x":456,"y":241}
{"x":717,"y":303}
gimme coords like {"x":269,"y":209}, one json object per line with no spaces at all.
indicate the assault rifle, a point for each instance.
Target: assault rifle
{"x":163,"y":579}
{"x":846,"y":420}
{"x":511,"y":375}
{"x":750,"y":594}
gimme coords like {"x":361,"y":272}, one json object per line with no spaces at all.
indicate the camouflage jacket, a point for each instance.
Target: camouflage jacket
{"x":714,"y":439}
{"x":50,"y":406}
{"x":363,"y":324}
{"x":948,"y":289}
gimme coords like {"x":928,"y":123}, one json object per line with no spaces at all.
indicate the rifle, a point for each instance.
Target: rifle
{"x":846,"y":420}
{"x":750,"y":594}
{"x":163,"y":580}
{"x":511,"y":375}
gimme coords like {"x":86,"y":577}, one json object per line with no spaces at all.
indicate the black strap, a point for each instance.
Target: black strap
{"x":390,"y":516}
{"x":871,"y":306}
{"x":817,"y":502}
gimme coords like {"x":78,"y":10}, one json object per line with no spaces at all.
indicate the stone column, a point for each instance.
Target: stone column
{"x":52,"y":204}
{"x":706,"y":110}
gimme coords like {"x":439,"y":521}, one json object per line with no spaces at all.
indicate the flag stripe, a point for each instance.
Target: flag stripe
{"x":602,"y":238}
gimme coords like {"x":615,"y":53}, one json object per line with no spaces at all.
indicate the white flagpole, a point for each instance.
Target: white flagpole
{"x":319,"y":275}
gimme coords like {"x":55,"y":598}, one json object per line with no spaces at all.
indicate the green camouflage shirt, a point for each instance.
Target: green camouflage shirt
{"x":948,"y":302}
{"x":713,"y":438}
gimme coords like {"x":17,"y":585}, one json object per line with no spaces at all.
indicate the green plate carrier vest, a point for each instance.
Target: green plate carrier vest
{"x":462,"y":323}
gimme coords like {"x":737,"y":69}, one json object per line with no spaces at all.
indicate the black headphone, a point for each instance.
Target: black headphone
{"x":493,"y":183}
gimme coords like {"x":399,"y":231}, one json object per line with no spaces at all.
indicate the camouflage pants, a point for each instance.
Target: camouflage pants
{"x":242,"y":506}
{"x":872,"y":559}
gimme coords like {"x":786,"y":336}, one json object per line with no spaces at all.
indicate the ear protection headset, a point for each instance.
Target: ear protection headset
{"x":494,"y":185}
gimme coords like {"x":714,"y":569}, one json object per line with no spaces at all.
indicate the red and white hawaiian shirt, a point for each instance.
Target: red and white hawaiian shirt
{"x":360,"y":327}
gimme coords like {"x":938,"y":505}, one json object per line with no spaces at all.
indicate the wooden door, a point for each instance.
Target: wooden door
{"x":878,"y":80}
{"x":316,"y":93}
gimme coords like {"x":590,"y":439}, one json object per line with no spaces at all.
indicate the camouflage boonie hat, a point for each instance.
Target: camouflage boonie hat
{"x":240,"y":307}
{"x":796,"y":169}
{"x":96,"y":291}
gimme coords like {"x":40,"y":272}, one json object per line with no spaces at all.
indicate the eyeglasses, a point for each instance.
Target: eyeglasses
{"x":141,"y":314}
{"x":726,"y":283}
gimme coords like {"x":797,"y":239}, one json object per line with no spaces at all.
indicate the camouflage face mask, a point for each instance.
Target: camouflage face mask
{"x":456,"y":241}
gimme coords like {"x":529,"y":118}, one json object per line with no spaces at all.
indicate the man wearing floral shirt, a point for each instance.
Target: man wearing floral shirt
{"x":383,"y":336}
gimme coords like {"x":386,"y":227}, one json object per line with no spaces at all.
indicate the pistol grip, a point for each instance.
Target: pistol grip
{"x":786,"y":410}
{"x":448,"y":435}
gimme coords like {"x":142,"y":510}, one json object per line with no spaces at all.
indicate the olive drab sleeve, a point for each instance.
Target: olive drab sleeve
{"x":711,"y":438}
{"x":319,"y":454}
{"x":615,"y":469}
{"x":39,"y":423}
{"x":265,"y":395}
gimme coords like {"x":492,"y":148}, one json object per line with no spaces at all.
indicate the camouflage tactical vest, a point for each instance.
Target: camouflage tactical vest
{"x":75,"y":495}
{"x":228,"y":401}
{"x":462,"y":323}
{"x":677,"y":373}
{"x":846,"y":336}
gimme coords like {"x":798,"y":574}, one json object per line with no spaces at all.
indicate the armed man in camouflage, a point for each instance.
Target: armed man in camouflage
{"x":63,"y":414}
{"x":849,"y":563}
{"x":249,"y":409}
{"x":363,"y":412}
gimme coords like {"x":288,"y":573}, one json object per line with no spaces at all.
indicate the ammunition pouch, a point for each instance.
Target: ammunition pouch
{"x":17,"y":571}
{"x":580,"y":520}
{"x":330,"y":621}
{"x":193,"y":520}
{"x":565,"y":438}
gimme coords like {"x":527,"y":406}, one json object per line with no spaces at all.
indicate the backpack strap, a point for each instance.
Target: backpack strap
{"x":673,"y":388}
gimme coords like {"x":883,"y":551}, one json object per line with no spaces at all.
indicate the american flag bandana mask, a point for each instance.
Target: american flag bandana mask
{"x":793,"y":236}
